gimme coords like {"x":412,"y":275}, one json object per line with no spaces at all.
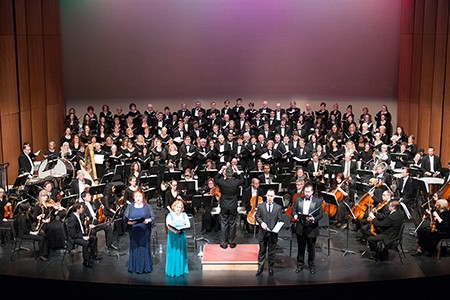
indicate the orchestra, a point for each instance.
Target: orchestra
{"x":332,"y":151}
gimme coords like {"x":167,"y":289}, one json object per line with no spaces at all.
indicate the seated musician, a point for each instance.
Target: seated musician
{"x":172,"y":194}
{"x":78,"y":234}
{"x":24,"y":228}
{"x":437,"y":228}
{"x":267,"y":177}
{"x":431,"y":164}
{"x":48,"y":214}
{"x":251,"y":192}
{"x":385,"y":228}
{"x":341,"y":188}
{"x":407,"y":188}
{"x":80,"y":184}
{"x":6,"y":213}
{"x":93,"y":211}
{"x":113,"y":208}
{"x":210,"y":221}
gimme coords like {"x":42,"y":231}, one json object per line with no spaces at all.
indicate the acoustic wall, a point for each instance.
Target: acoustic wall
{"x":31,"y":81}
{"x":424,"y":73}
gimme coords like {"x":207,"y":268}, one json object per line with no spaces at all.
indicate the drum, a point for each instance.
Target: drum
{"x":62,"y":168}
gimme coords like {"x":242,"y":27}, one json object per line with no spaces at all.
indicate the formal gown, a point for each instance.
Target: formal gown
{"x":140,"y":257}
{"x":176,"y":253}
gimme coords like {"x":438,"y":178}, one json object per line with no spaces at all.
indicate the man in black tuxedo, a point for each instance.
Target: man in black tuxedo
{"x":407,"y":187}
{"x":431,"y":164}
{"x":183,"y":111}
{"x":387,"y":227}
{"x":229,"y":185}
{"x":79,"y":185}
{"x":268,"y":214}
{"x":307,"y":212}
{"x":238,"y":109}
{"x":279,"y":111}
{"x":196,"y":110}
{"x":26,"y":158}
{"x":253,"y":191}
{"x":188,"y":154}
{"x":349,"y":167}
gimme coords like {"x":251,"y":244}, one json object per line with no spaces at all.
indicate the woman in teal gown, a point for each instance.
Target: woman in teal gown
{"x":176,"y":254}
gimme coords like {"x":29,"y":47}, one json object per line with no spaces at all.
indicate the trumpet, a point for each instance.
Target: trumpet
{"x":322,"y":164}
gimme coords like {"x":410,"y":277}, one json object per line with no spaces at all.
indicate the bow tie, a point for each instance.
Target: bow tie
{"x":307,"y":199}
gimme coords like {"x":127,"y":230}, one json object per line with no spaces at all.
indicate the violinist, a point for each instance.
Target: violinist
{"x":91,"y":212}
{"x":208,"y":220}
{"x":80,"y":184}
{"x":172,"y":194}
{"x":251,"y":192}
{"x":47,"y":216}
{"x":24,"y":227}
{"x":6,"y":213}
{"x":428,"y":237}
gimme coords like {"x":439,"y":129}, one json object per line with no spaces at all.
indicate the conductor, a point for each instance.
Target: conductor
{"x":229,"y":179}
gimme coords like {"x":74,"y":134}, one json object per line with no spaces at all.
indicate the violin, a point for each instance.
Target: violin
{"x":8,"y":212}
{"x":254,"y":201}
{"x":101,"y":214}
{"x":215,"y":191}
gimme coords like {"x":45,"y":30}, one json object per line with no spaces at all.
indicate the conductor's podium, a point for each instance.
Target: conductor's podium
{"x":242,"y":257}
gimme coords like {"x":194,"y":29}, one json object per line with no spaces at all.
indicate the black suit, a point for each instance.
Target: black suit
{"x":408,"y":190}
{"x":426,"y":166}
{"x":307,"y":231}
{"x":387,"y":229}
{"x":267,"y":240}
{"x":24,"y":163}
{"x":229,"y":188}
{"x":75,"y":187}
{"x":93,"y":219}
{"x":75,"y":237}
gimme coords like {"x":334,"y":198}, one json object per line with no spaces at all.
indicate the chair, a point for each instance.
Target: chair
{"x":286,"y":232}
{"x":191,"y":234}
{"x":325,"y":231}
{"x":396,"y":244}
{"x":442,"y":243}
{"x":18,"y":241}
{"x":68,"y":246}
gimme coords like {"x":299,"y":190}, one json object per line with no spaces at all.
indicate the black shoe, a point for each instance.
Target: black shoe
{"x":270,"y":272}
{"x":312,"y":270}
{"x":43,"y":258}
{"x":223,"y":246}
{"x":95,"y":257}
{"x":88,"y":264}
{"x":299,"y":269}
{"x":258,"y":272}
{"x":232,"y":246}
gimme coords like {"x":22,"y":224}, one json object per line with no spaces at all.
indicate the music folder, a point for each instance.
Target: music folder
{"x":329,"y":198}
{"x":179,"y":227}
{"x":138,"y":220}
{"x":277,"y":227}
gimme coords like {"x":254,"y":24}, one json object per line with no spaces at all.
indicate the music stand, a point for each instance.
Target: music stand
{"x":68,"y":200}
{"x":352,"y":215}
{"x":187,"y":185}
{"x":51,"y":163}
{"x":267,"y":186}
{"x":119,"y":170}
{"x":117,"y":217}
{"x":169,"y":176}
{"x":204,"y":175}
{"x":21,"y":180}
{"x":107,"y":178}
{"x":97,"y":189}
{"x":330,"y":199}
{"x":254,"y":174}
{"x":198,"y":201}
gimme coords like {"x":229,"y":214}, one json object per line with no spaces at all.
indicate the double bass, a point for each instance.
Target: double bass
{"x":254,"y":201}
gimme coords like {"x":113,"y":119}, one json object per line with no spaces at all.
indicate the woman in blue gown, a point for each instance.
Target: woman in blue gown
{"x":140,"y":218}
{"x":176,"y":255}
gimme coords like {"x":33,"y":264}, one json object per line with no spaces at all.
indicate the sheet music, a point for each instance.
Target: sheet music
{"x":99,"y":159}
{"x":277,"y":227}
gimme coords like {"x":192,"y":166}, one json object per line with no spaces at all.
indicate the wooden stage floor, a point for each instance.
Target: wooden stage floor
{"x":337,"y":275}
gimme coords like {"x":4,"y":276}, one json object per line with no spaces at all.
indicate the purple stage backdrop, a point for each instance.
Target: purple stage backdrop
{"x":169,"y":51}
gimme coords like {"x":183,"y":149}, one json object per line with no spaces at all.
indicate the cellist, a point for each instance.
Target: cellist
{"x":341,"y":189}
{"x":251,"y":192}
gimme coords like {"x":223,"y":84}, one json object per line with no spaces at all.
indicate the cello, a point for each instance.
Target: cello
{"x":366,"y":201}
{"x":288,"y":210}
{"x":254,"y":201}
{"x":331,"y":209}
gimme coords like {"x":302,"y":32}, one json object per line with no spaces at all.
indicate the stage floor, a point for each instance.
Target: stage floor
{"x":338,"y":272}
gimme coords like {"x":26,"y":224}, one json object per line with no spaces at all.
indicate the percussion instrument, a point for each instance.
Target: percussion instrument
{"x":61,"y":168}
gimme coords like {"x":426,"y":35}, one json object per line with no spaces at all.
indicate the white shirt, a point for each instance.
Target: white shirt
{"x":306,"y":205}
{"x":31,"y":163}
{"x":431,"y":163}
{"x":91,"y":210}
{"x":254,"y":192}
{"x":81,"y":224}
{"x":269,"y":207}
